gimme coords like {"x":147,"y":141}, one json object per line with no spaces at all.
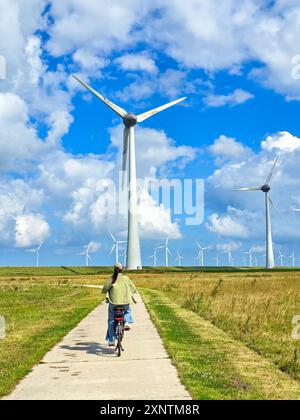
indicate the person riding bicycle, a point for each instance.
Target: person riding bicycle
{"x":120,"y":290}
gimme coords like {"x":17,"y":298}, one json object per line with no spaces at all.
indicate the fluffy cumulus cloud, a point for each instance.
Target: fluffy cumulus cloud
{"x":31,"y":230}
{"x":238,"y":97}
{"x":228,"y":148}
{"x":139,"y":62}
{"x":282,"y":141}
{"x":227,"y":225}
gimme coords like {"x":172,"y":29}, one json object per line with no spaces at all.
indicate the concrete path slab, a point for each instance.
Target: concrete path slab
{"x":83,"y":367}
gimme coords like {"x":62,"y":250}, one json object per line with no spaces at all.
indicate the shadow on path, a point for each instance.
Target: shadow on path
{"x":91,"y":348}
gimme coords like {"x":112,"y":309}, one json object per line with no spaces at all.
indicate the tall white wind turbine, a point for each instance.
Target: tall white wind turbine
{"x":230,"y":257}
{"x":250,"y":257}
{"x":154,"y":257}
{"x":116,"y":246}
{"x":134,"y":261}
{"x":281,"y":257}
{"x":201,"y":254}
{"x":270,"y":261}
{"x":86,"y":253}
{"x":179,"y":259}
{"x":293,"y":258}
{"x":37,"y":253}
{"x":167,"y":251}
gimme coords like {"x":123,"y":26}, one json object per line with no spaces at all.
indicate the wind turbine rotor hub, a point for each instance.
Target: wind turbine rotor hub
{"x":130,"y":120}
{"x":265,"y":188}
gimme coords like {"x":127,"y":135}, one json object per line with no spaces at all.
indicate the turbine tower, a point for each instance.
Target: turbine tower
{"x":217,"y":259}
{"x":179,"y":259}
{"x":86,"y":252}
{"x":37,"y":253}
{"x":134,"y":261}
{"x":230,"y":257}
{"x":116,"y":246}
{"x":201,"y":254}
{"x":167,"y":251}
{"x":270,"y":262}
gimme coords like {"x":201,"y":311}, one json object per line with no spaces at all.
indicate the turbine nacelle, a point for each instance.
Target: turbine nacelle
{"x":265,"y":188}
{"x":130,"y":120}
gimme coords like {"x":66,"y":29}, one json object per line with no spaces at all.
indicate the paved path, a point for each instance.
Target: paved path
{"x":83,"y":367}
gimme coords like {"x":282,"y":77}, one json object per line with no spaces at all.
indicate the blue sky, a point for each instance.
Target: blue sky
{"x":238,"y":64}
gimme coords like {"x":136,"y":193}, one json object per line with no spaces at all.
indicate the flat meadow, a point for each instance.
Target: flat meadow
{"x":252,"y":307}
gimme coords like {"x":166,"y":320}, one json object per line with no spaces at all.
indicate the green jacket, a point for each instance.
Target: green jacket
{"x":120,"y":293}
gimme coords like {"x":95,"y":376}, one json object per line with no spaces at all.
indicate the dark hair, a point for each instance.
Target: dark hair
{"x":116,"y":273}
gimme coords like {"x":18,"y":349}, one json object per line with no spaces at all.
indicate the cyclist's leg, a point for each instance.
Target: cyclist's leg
{"x":110,"y":335}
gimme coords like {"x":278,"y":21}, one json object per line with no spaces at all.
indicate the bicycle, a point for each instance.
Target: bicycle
{"x":119,"y":328}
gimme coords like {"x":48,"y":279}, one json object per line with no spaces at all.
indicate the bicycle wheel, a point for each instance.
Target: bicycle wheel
{"x":119,"y":340}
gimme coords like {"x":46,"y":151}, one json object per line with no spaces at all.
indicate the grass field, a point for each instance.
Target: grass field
{"x":38,"y":314}
{"x":253,"y":308}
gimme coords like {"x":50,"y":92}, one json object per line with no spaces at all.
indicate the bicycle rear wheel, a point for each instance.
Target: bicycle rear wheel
{"x":119,"y":340}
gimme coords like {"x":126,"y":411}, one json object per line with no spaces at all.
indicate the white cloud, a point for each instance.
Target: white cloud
{"x":227,"y":226}
{"x":138,"y":62}
{"x":237,"y":97}
{"x":228,"y":148}
{"x":282,"y":141}
{"x":31,"y":230}
{"x":19,"y":142}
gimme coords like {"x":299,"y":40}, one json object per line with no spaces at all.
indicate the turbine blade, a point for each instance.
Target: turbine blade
{"x":113,"y":238}
{"x":118,"y":110}
{"x":148,"y":114}
{"x":112,"y":250}
{"x":248,"y":189}
{"x":272,"y":170}
{"x":275,"y":207}
{"x":125,"y":152}
{"x":296,"y":210}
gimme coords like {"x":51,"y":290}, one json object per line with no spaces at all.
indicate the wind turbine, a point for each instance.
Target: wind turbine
{"x":201,"y":254}
{"x":37,"y":253}
{"x":179,"y":259}
{"x":86,"y":252}
{"x":250,"y":257}
{"x":167,"y":251}
{"x":228,"y":252}
{"x":293,"y":258}
{"x":154,"y":259}
{"x":270,"y":262}
{"x":217,"y":259}
{"x":281,"y":257}
{"x":116,"y":246}
{"x":130,"y":120}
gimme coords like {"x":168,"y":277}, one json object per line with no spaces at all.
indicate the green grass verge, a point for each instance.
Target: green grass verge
{"x":86,"y":271}
{"x":38,"y":315}
{"x":211,"y":364}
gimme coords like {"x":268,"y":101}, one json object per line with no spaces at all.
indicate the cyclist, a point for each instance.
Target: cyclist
{"x":120,"y":290}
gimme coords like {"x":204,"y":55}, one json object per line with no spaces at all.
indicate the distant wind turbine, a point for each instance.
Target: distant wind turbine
{"x":281,"y":257}
{"x":167,"y":251}
{"x":37,"y":253}
{"x":200,"y":256}
{"x":86,"y":252}
{"x":130,"y":120}
{"x":293,"y":258}
{"x":217,"y":259}
{"x":230,"y":257}
{"x":270,"y":261}
{"x":250,"y":257}
{"x":116,"y":246}
{"x":154,"y":257}
{"x":179,"y":259}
